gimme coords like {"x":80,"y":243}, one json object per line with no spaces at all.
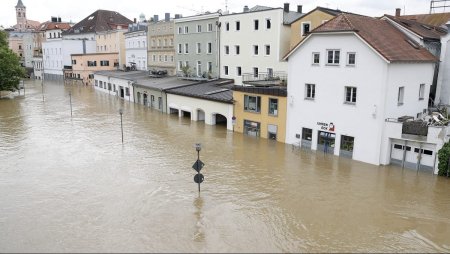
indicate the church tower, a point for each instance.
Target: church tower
{"x":21,"y":17}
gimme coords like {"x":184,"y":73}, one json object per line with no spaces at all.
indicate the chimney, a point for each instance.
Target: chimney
{"x":54,"y":19}
{"x":59,"y":19}
{"x":134,"y":20}
{"x":286,"y":7}
{"x":167,"y":17}
{"x":299,"y":8}
{"x":398,"y":12}
{"x":246,"y":9}
{"x":155,"y":18}
{"x":177,"y":16}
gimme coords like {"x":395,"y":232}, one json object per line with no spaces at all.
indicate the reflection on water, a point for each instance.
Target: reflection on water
{"x":69,"y":185}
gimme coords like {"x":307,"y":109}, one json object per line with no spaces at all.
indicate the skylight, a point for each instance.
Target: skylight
{"x":91,"y":17}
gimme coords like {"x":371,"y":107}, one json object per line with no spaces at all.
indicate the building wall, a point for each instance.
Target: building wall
{"x":28,"y":43}
{"x":53,"y":59}
{"x":315,"y":18}
{"x":264,"y":118}
{"x":111,"y":42}
{"x":210,"y":108}
{"x":15,"y":43}
{"x":136,"y":49}
{"x":116,"y":88}
{"x":443,"y":82}
{"x":192,"y":38}
{"x":376,"y":94}
{"x":149,"y":93}
{"x":277,"y":37}
{"x":161,"y":46}
{"x":81,"y":67}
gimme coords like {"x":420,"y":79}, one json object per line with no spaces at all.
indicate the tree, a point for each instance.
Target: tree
{"x":443,"y":156}
{"x":11,"y":72}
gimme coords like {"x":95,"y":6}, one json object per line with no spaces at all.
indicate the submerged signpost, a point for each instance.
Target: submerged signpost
{"x":198,"y":165}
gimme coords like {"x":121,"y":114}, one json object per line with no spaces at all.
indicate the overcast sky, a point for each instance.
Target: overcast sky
{"x":42,"y":10}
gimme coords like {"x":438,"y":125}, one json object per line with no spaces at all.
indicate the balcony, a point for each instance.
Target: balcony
{"x":265,"y":79}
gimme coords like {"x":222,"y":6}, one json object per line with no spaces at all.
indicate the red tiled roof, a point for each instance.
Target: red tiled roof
{"x":54,"y":25}
{"x":391,"y":43}
{"x":435,"y":19}
{"x":424,"y":30}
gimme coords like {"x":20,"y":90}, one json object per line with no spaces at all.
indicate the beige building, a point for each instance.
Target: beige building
{"x":161,"y":50}
{"x":84,"y":66}
{"x":15,"y":42}
{"x":260,"y":111}
{"x":112,"y":41}
{"x":310,"y":21}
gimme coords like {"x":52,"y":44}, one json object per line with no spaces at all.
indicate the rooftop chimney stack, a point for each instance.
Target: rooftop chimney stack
{"x":398,"y":12}
{"x":134,"y":20}
{"x":155,"y":18}
{"x":246,"y":9}
{"x":167,"y":17}
{"x":286,"y":7}
{"x":59,"y":19}
{"x":177,"y":16}
{"x":299,"y":8}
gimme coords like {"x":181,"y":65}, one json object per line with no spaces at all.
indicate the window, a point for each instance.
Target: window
{"x":199,"y":68}
{"x":180,"y":31}
{"x":237,"y":49}
{"x":199,"y":48}
{"x":422,"y":91}
{"x":310,"y":91}
{"x":199,"y":28}
{"x":307,"y":134}
{"x":350,"y":95}
{"x":186,"y":29}
{"x":154,"y":56}
{"x":238,"y":25}
{"x":186,"y":48}
{"x":239,"y":71}
{"x":209,"y":67}
{"x":268,"y":24}
{"x":333,"y":56}
{"x":401,"y":94}
{"x":209,"y":48}
{"x":92,"y":63}
{"x":227,"y":26}
{"x":273,"y":106}
{"x":96,"y":82}
{"x":252,"y":103}
{"x":127,"y":91}
{"x":252,"y":128}
{"x":227,"y":50}
{"x":267,"y":50}
{"x":104,"y":63}
{"x":180,"y":65}
{"x":351,"y":59}
{"x":347,"y":143}
{"x":210,"y":27}
{"x":165,"y":58}
{"x":74,"y":61}
{"x":180,"y":49}
{"x":256,"y":24}
{"x":91,"y":76}
{"x":306,"y":26}
{"x":255,"y":50}
{"x":255,"y":72}
{"x":109,"y":86}
{"x":316,"y":58}
{"x":225,"y":70}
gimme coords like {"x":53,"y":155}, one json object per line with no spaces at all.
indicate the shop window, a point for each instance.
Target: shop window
{"x":252,"y":103}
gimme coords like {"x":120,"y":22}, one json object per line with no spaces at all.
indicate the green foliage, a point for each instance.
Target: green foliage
{"x":10,"y":70}
{"x":443,"y":156}
{"x":186,"y":70}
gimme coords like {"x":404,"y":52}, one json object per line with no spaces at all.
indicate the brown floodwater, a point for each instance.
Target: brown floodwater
{"x":69,"y":185}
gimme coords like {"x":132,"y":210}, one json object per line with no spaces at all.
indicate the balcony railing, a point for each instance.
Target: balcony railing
{"x":265,"y":79}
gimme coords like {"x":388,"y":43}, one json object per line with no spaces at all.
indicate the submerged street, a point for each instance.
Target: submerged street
{"x":70,"y":185}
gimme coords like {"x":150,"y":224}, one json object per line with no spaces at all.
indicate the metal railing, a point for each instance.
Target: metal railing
{"x":265,"y":78}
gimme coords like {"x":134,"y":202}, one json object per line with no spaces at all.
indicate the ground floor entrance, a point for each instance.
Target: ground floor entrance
{"x":413,"y":154}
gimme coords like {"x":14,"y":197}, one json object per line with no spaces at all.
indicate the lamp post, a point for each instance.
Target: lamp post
{"x":121,"y":125}
{"x":198,"y":165}
{"x":70,"y":97}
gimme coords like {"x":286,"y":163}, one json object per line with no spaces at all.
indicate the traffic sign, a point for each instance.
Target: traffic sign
{"x":198,"y":165}
{"x":198,"y":178}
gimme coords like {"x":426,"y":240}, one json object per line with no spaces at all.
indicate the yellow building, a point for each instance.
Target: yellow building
{"x":310,"y":21}
{"x":260,"y":111}
{"x":112,"y":41}
{"x":84,"y":66}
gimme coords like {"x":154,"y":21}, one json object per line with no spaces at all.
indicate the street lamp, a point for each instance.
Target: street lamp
{"x":70,"y":97}
{"x":198,"y":165}
{"x":121,"y":125}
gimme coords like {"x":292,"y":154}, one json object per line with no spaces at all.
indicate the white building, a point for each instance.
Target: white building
{"x":120,"y":85}
{"x":350,"y":81}
{"x":136,"y":46}
{"x":254,"y":42}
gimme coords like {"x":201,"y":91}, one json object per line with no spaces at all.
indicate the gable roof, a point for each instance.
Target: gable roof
{"x":424,"y":30}
{"x":385,"y":39}
{"x":99,"y":21}
{"x":435,"y":19}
